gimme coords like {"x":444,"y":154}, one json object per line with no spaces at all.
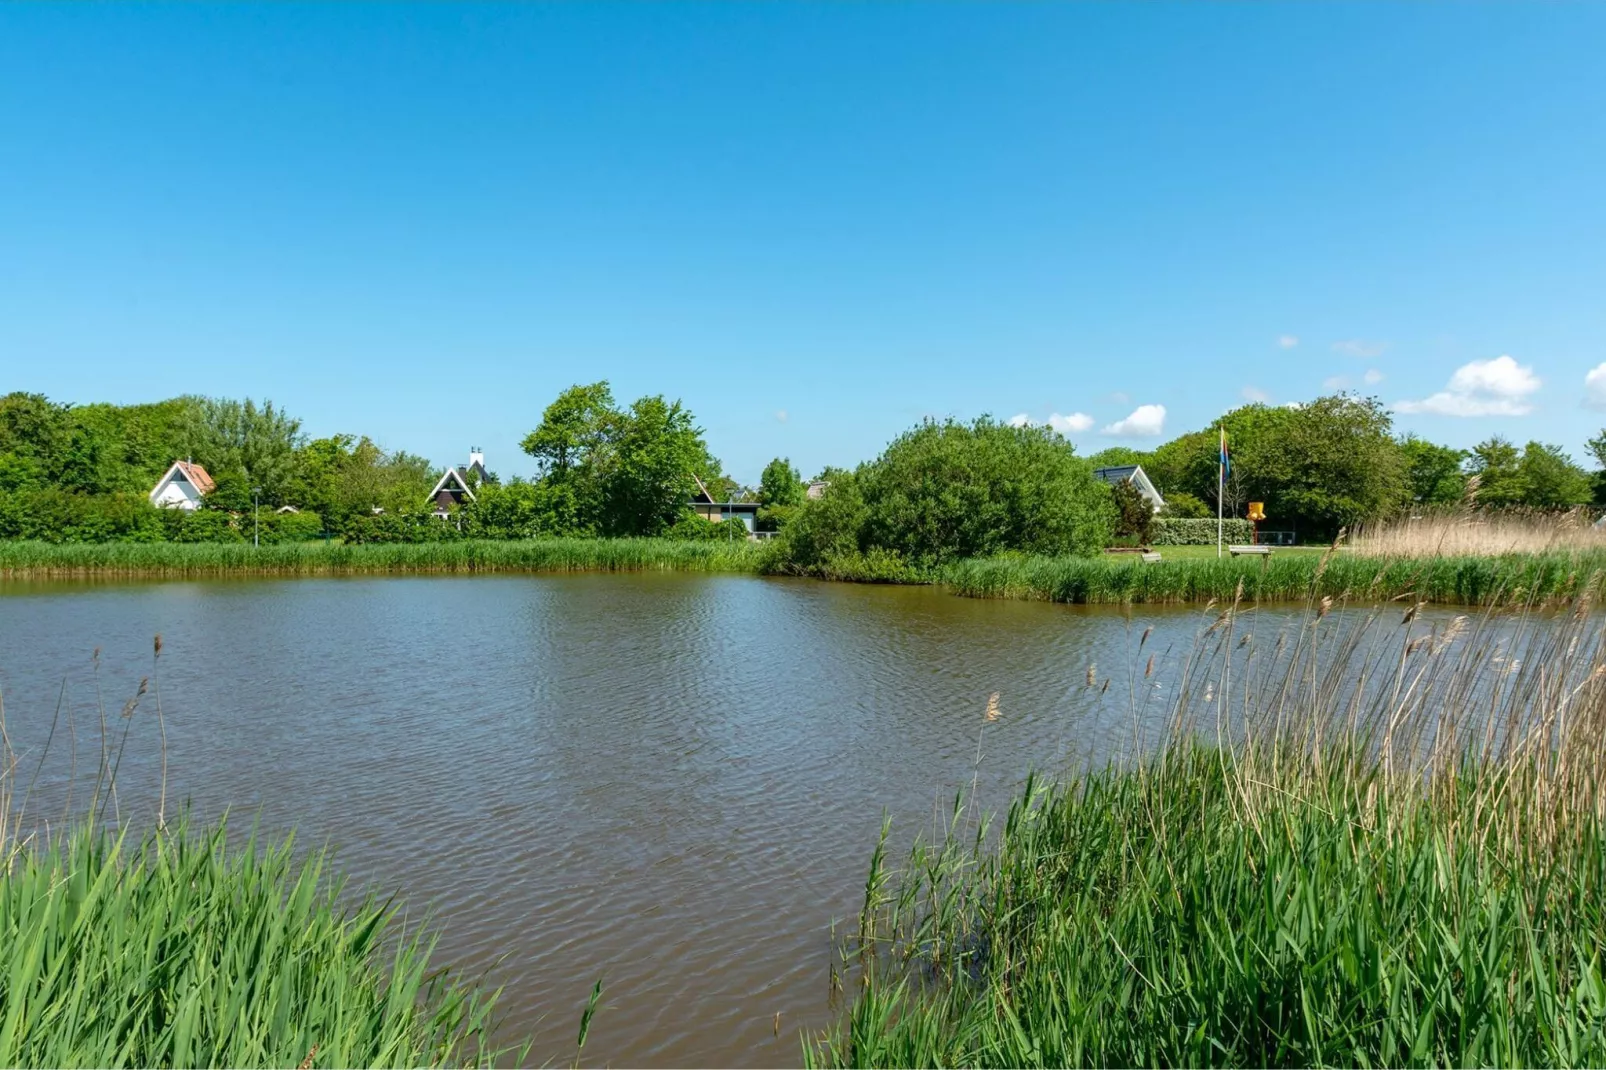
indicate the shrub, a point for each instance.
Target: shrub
{"x":290,"y":527}
{"x":1169,"y":531}
{"x":1134,"y":513}
{"x":946,"y":491}
{"x":1180,"y":505}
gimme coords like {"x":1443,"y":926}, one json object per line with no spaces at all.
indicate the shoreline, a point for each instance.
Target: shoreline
{"x":1108,"y":580}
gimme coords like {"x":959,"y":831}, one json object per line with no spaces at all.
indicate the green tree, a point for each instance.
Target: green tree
{"x":829,"y":528}
{"x":944,"y":491}
{"x":35,"y":438}
{"x":1317,"y":467}
{"x":624,"y":472}
{"x":225,"y":435}
{"x":1433,"y":471}
{"x":780,"y":484}
{"x":1496,"y":465}
{"x":1134,"y":513}
{"x":1551,"y":479}
{"x":646,"y":476}
{"x":1180,"y":505}
{"x":1597,"y":450}
{"x":1120,"y":456}
{"x":572,"y":429}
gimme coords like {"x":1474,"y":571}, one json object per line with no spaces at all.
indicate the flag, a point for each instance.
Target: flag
{"x":1226,"y":459}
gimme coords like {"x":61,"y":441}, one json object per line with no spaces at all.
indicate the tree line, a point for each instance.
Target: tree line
{"x":942,"y":490}
{"x":1337,"y":460}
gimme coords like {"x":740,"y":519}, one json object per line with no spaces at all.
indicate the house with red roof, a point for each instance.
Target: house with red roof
{"x":182,"y":486}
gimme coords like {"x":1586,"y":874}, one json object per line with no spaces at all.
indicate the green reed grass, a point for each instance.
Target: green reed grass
{"x":1282,"y":577}
{"x":180,"y":951}
{"x":1365,"y":844}
{"x":39,"y":559}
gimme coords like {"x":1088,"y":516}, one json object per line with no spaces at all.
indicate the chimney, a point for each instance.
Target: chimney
{"x":476,"y":456}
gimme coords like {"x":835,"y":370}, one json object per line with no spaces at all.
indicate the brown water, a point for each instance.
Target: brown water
{"x":671,"y":782}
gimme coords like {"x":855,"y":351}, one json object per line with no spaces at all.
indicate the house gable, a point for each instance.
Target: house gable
{"x":1134,"y":474}
{"x":182,"y":486}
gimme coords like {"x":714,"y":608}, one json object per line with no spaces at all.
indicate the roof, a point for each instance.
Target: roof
{"x":703,"y":497}
{"x":193,"y":473}
{"x":1134,"y":474}
{"x":462,"y":484}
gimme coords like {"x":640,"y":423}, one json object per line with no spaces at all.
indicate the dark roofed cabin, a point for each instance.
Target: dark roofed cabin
{"x":457,"y":485}
{"x":1134,"y":474}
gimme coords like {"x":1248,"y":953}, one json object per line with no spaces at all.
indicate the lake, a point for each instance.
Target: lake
{"x":672,"y":782}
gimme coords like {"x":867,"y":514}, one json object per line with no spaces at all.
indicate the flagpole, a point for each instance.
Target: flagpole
{"x":1221,"y":484}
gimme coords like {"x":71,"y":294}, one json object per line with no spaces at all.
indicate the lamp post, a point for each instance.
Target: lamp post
{"x":256,"y":517}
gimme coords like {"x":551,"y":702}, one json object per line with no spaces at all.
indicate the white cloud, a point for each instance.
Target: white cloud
{"x":1287,"y":341}
{"x":780,"y":414}
{"x":1498,"y":387}
{"x":1595,"y":387}
{"x":1120,"y":397}
{"x":1254,"y":393}
{"x":1065,"y":425}
{"x":1360,"y":347}
{"x":1335,"y":382}
{"x":1372,"y":377}
{"x":1146,"y":421}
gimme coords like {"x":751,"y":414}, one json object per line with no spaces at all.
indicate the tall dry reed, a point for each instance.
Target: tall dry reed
{"x":1460,"y":531}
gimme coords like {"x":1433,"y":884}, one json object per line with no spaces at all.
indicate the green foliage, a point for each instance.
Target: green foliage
{"x":945,"y":491}
{"x":181,"y":951}
{"x":780,"y":485}
{"x":1597,"y":450}
{"x":1120,"y":457}
{"x":259,"y":442}
{"x":231,"y":492}
{"x":1180,"y":505}
{"x":826,"y":529}
{"x":202,"y":525}
{"x":1286,"y":575}
{"x":624,"y":472}
{"x":1200,"y":531}
{"x":54,"y":515}
{"x":521,"y":510}
{"x":573,"y":428}
{"x":1134,"y":514}
{"x":1540,"y":476}
{"x":1433,"y":472}
{"x":300,"y":526}
{"x":654,"y":453}
{"x":1140,"y":917}
{"x":1324,"y":465}
{"x":343,"y":476}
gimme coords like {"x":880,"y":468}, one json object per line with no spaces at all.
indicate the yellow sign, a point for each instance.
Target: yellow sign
{"x":1257,"y":510}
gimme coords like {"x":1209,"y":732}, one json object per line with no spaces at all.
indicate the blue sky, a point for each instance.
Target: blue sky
{"x":813,"y":224}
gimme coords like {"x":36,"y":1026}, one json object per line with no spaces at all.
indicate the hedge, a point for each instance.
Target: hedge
{"x":1171,"y":531}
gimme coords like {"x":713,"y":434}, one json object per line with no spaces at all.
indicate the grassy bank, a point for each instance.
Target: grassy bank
{"x":1185,"y":574}
{"x":1285,"y":576}
{"x":178,"y":951}
{"x":40,"y":559}
{"x":1392,"y":852}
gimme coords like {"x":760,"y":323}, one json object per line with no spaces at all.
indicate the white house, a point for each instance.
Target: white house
{"x":1133,"y":474}
{"x":182,"y":487}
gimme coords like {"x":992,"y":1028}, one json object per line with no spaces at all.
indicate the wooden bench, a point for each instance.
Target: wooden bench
{"x":1258,"y":551}
{"x":1151,"y":559}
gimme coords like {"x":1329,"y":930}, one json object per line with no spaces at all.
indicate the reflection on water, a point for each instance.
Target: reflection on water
{"x":669,"y":781}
